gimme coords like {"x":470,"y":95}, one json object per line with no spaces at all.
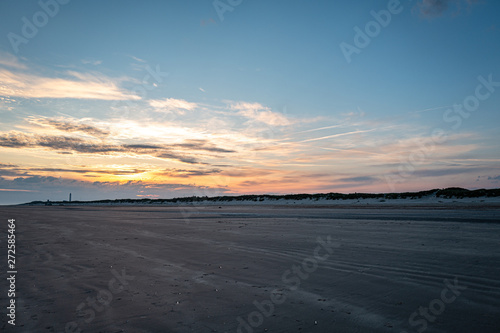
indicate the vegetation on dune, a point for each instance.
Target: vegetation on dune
{"x":447,"y":193}
{"x":457,"y":192}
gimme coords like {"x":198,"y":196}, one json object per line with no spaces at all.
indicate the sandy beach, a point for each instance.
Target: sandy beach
{"x":256,"y":268}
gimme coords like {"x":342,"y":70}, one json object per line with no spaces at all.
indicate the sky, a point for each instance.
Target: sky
{"x":162,"y":99}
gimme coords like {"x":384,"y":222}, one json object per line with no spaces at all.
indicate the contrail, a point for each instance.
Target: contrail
{"x":353,"y":150}
{"x":431,"y":109}
{"x":336,"y":135}
{"x":319,"y":129}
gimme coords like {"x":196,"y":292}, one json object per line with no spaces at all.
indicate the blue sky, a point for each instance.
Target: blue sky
{"x":170,"y":98}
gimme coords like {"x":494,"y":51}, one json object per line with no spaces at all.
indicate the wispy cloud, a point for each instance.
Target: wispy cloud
{"x":436,"y":8}
{"x":91,"y":62}
{"x":22,"y":140}
{"x":180,"y":151}
{"x":14,"y":170}
{"x":202,"y":145}
{"x":75,"y":85}
{"x":359,"y":179}
{"x":69,"y":126}
{"x":7,"y":103}
{"x":137,"y":59}
{"x":8,"y":60}
{"x":260,"y":113}
{"x":442,"y":172}
{"x":183,"y":173}
{"x":172,"y":104}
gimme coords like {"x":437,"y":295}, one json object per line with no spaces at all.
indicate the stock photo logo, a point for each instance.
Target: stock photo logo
{"x":364,"y":36}
{"x":455,"y":116}
{"x":31,"y":26}
{"x":423,"y":318}
{"x":223,"y":6}
{"x":292,"y":279}
{"x":86,"y":311}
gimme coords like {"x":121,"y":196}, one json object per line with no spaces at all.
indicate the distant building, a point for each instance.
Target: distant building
{"x":70,"y":197}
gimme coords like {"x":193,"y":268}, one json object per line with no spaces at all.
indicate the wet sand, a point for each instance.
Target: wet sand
{"x":229,"y":269}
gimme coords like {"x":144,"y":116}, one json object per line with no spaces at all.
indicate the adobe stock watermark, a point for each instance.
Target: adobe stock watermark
{"x":363,"y":37}
{"x":87,"y":310}
{"x":421,"y":318}
{"x":222,"y":6}
{"x":30,"y":28}
{"x":453,"y":116}
{"x":292,"y":278}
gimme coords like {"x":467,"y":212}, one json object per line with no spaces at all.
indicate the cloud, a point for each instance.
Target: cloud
{"x":181,"y":158}
{"x":106,"y":172}
{"x":37,"y":180}
{"x":7,"y":103}
{"x":360,"y":179}
{"x":22,"y":140}
{"x":436,"y":8}
{"x":430,"y":8}
{"x":3,"y":165}
{"x":70,"y":126}
{"x":91,"y":62}
{"x":76,"y":85}
{"x":14,"y":170}
{"x":14,"y":190}
{"x":245,"y":106}
{"x":142,"y":146}
{"x":172,"y":104}
{"x":183,"y":173}
{"x":260,"y":113}
{"x":202,"y":145}
{"x":10,"y":172}
{"x":8,"y":60}
{"x":242,"y":173}
{"x":138,"y":59}
{"x":448,"y":171}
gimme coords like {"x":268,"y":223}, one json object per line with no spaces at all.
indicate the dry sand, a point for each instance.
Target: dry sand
{"x":198,"y":269}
